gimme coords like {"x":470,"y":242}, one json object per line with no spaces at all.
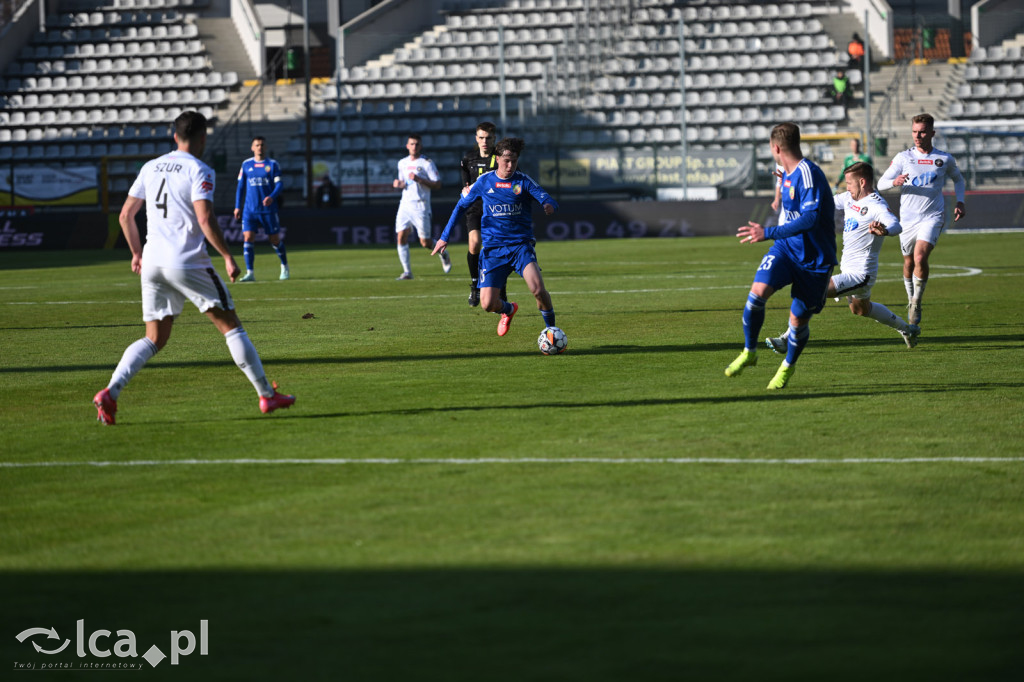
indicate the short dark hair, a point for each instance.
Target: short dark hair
{"x":926,"y":119}
{"x":861,"y":170}
{"x":258,"y":137}
{"x":415,"y":136}
{"x":190,"y":125}
{"x":787,"y":136}
{"x":487,"y":127}
{"x":509,"y":144}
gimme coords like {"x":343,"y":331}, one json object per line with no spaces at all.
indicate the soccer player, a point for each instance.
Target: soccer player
{"x":259,"y":186}
{"x":506,"y":231}
{"x":177,"y":191}
{"x":475,"y":163}
{"x":803,"y":254}
{"x":867,"y":220}
{"x":417,"y":176}
{"x":853,"y":157}
{"x":921,"y":172}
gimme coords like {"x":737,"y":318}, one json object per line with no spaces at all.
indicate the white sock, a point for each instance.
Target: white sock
{"x":908,"y":284}
{"x":880,"y":313}
{"x":248,"y":360}
{"x":919,"y":285}
{"x":403,"y":255}
{"x":135,"y":357}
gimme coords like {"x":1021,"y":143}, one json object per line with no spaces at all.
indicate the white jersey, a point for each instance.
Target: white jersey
{"x":860,"y":247}
{"x":921,"y":196}
{"x":169,"y":184}
{"x":422,"y":167}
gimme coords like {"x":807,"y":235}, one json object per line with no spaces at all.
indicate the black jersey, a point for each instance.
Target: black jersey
{"x":473,"y":166}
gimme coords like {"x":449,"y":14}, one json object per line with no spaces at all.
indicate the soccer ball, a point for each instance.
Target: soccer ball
{"x":552,"y":341}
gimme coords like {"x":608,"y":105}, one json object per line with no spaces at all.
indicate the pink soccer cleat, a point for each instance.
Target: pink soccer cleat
{"x":106,"y":407}
{"x":276,"y":401}
{"x":506,"y":320}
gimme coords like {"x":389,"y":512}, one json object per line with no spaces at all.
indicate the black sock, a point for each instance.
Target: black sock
{"x":473,"y":261}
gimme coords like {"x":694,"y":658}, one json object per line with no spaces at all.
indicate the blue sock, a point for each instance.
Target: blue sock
{"x":279,"y":250}
{"x":506,"y":308}
{"x":549,"y":317}
{"x":796,"y":341}
{"x":753,"y":320}
{"x":249,"y":252}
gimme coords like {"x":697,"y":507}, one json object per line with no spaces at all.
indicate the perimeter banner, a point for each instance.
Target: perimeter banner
{"x":50,"y":187}
{"x":614,"y":168}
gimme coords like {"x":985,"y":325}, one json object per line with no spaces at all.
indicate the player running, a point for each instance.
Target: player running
{"x":506,"y":231}
{"x":867,"y":220}
{"x":921,"y":172}
{"x":803,"y":254}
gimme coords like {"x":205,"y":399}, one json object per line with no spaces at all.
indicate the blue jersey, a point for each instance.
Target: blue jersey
{"x":808,"y":235}
{"x":256,"y":181}
{"x":506,"y":219}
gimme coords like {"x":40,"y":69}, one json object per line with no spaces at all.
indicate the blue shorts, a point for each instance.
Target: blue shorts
{"x":498,"y":262}
{"x":268,"y":222}
{"x":777,"y":270}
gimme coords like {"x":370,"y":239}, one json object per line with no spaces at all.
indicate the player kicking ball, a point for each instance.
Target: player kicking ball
{"x":506,"y":231}
{"x":867,"y":220}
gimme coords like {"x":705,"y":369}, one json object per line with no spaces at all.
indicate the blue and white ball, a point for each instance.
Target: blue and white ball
{"x":552,"y":341}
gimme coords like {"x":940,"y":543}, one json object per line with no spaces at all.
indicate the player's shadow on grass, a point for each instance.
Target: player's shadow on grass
{"x":516,"y":624}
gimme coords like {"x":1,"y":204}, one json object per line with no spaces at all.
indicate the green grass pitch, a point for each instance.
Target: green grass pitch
{"x":457,"y":535}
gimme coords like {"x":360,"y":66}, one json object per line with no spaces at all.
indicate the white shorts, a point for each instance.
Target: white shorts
{"x":417,"y":217}
{"x":925,"y":230}
{"x":853,"y":284}
{"x":164,"y":291}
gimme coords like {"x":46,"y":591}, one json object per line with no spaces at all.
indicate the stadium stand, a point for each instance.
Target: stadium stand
{"x":106,"y":80}
{"x":616,"y":68}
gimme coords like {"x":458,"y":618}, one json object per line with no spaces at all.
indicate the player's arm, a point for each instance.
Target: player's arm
{"x":543,"y":198}
{"x":275,"y":171}
{"x":960,"y":187}
{"x":466,"y":174}
{"x":810,"y":204}
{"x":433,"y":179}
{"x":130,"y":228}
{"x":460,"y":208}
{"x":892,"y":176}
{"x":885,"y":224}
{"x":214,"y":235}
{"x":240,"y":194}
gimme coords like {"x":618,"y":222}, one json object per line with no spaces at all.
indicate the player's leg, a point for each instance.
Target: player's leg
{"x":908,"y":242}
{"x":473,"y":262}
{"x":495,"y":267}
{"x":248,"y":251}
{"x":809,"y":292}
{"x":243,"y":352}
{"x":922,"y":250}
{"x":273,"y":228}
{"x":771,"y":274}
{"x":160,"y":305}
{"x":403,"y":230}
{"x":535,"y":283}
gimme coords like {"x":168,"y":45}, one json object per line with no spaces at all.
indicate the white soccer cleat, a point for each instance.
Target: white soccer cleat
{"x":777,"y":344}
{"x":910,"y":336}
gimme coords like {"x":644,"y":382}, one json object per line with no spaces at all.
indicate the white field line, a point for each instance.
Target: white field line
{"x":455,"y":461}
{"x":966,"y":272}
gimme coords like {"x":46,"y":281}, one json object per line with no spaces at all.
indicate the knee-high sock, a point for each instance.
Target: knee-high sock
{"x":249,"y":254}
{"x":403,"y":255}
{"x":473,"y":261}
{"x":549,"y":317}
{"x":919,"y":285}
{"x":908,"y":284}
{"x":281,"y":253}
{"x":135,"y":358}
{"x":796,"y":341}
{"x":880,"y":313}
{"x":753,"y":319}
{"x":248,"y":360}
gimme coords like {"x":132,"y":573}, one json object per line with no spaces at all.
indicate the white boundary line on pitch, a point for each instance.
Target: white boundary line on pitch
{"x":967,"y":271}
{"x":524,"y":460}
